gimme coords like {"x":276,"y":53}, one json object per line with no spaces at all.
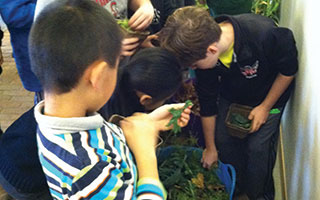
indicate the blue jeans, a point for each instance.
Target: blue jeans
{"x":19,"y":195}
{"x":253,"y":157}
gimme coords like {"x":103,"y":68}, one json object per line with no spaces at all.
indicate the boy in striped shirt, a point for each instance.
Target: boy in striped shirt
{"x":74,"y":48}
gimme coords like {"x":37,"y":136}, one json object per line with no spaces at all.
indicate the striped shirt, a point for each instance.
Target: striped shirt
{"x":88,"y":158}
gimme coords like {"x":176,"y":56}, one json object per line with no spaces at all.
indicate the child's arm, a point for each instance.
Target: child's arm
{"x":141,"y":132}
{"x":260,"y":113}
{"x":17,"y":14}
{"x":139,"y":21}
{"x":141,"y":135}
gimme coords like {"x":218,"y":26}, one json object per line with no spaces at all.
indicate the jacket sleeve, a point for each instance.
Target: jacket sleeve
{"x":281,"y":51}
{"x":17,"y":13}
{"x":207,"y":87}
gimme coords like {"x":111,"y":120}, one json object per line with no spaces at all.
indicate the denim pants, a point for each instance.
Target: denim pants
{"x":253,"y":156}
{"x":19,"y":195}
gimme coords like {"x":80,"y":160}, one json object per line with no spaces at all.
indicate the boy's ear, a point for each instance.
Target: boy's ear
{"x":94,"y":74}
{"x":145,"y":99}
{"x":212,"y":48}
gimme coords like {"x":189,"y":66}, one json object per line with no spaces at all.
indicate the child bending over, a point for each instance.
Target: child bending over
{"x":150,"y":78}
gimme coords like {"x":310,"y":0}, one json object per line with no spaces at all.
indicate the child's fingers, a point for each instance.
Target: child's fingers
{"x":127,"y":47}
{"x":128,"y":53}
{"x":185,"y":116}
{"x":140,"y":23}
{"x":250,"y":117}
{"x":183,"y":120}
{"x":130,"y":40}
{"x":255,"y":126}
{"x":187,"y":110}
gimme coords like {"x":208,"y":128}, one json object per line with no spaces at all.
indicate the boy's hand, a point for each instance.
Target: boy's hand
{"x":161,"y":116}
{"x":129,"y":46}
{"x":209,"y":157}
{"x":140,"y":133}
{"x":148,"y":41}
{"x":258,"y":116}
{"x":143,"y":16}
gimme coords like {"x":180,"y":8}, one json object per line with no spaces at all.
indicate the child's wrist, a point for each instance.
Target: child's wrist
{"x":145,"y":155}
{"x":147,"y":166}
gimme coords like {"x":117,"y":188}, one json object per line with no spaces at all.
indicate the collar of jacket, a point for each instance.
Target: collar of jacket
{"x":242,"y":50}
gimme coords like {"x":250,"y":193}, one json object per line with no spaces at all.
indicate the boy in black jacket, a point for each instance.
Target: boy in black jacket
{"x":244,"y":59}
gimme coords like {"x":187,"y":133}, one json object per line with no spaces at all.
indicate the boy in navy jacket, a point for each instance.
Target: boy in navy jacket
{"x":244,"y":59}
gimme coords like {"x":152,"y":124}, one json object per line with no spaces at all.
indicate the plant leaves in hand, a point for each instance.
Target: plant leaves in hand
{"x":124,"y":23}
{"x":176,"y":114}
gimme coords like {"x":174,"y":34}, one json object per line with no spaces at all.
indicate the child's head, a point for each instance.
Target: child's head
{"x":154,"y":74}
{"x":68,"y":37}
{"x":188,"y":32}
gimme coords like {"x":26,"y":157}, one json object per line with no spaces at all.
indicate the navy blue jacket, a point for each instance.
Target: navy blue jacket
{"x":261,"y":51}
{"x":18,"y":16}
{"x":19,"y":160}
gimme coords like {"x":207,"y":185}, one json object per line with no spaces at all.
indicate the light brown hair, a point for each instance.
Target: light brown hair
{"x":188,"y":32}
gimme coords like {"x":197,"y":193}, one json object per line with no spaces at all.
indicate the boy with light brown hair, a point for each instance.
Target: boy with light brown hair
{"x":244,"y":59}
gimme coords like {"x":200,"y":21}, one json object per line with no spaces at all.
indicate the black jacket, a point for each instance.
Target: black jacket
{"x":261,"y":51}
{"x":19,"y":160}
{"x":124,"y":100}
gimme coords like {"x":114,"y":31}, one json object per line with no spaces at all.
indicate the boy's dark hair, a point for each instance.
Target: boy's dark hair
{"x":67,"y":37}
{"x":188,"y":32}
{"x":153,"y":71}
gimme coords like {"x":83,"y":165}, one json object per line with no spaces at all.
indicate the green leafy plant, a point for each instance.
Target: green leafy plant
{"x":268,"y":8}
{"x":185,"y":179}
{"x":129,"y":32}
{"x":202,"y":4}
{"x":240,"y":121}
{"x":176,"y":113}
{"x":124,"y":23}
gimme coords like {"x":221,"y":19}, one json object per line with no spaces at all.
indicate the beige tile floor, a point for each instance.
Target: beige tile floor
{"x":14,"y":99}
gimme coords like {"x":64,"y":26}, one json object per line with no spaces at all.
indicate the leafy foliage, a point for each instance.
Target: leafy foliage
{"x":268,"y":8}
{"x":185,"y":179}
{"x":124,"y":23}
{"x":240,"y":121}
{"x":176,"y":113}
{"x":202,"y":4}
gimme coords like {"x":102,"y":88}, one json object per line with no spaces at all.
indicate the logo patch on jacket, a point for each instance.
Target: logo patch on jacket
{"x":250,"y":71}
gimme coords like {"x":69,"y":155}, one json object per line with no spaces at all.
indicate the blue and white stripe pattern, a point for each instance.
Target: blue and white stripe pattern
{"x":88,"y":158}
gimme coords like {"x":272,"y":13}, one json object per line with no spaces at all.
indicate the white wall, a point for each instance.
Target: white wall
{"x":301,"y":130}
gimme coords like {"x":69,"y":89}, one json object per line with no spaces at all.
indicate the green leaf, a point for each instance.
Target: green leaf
{"x":176,"y":113}
{"x":124,"y":23}
{"x":240,"y":121}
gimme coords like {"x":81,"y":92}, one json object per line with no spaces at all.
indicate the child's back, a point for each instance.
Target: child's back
{"x":84,"y":157}
{"x":74,"y":50}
